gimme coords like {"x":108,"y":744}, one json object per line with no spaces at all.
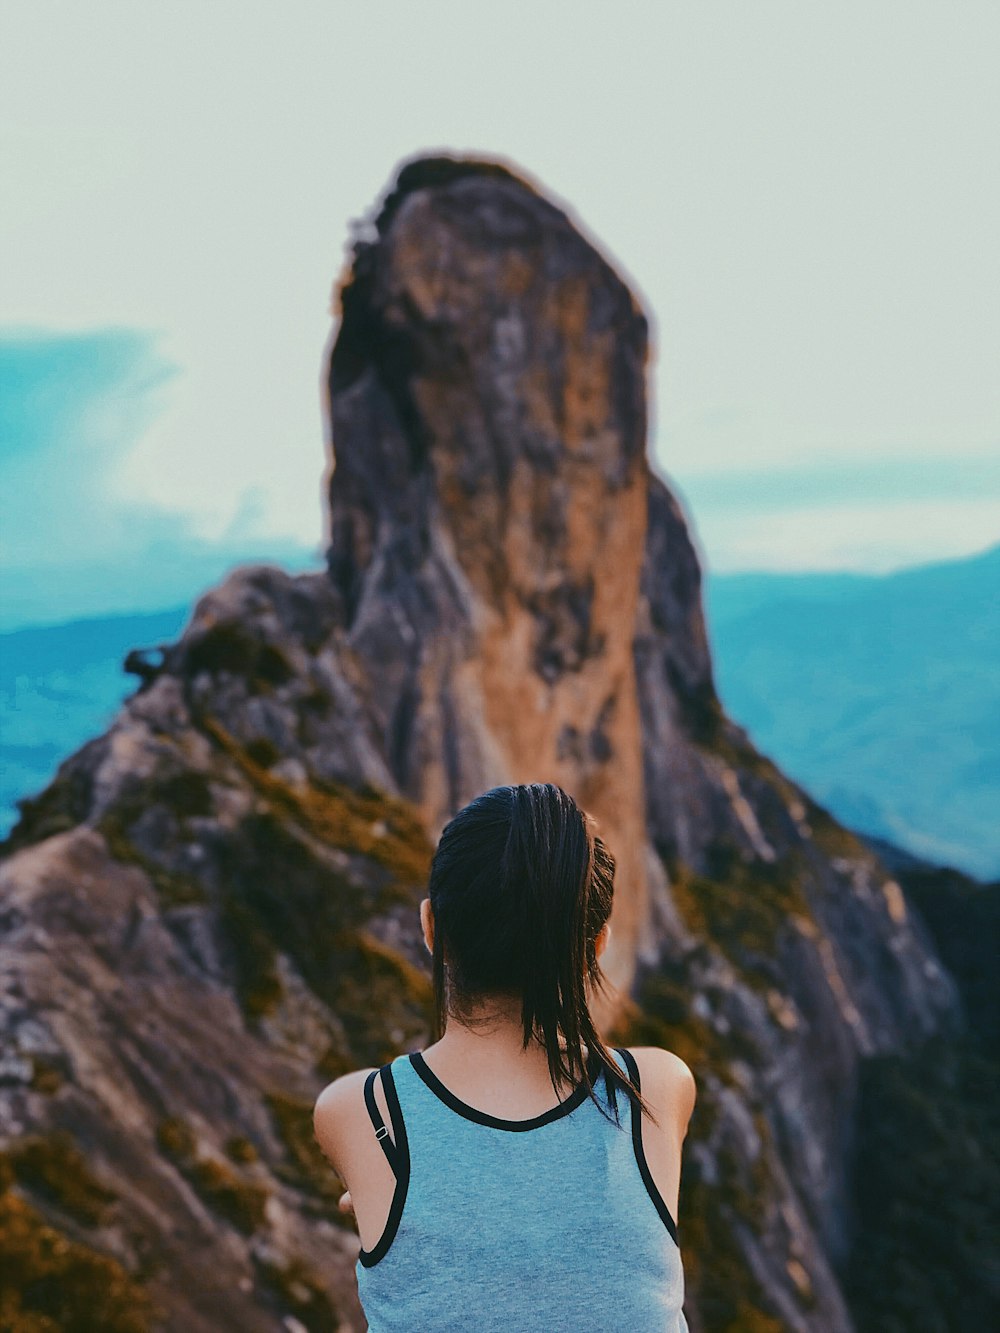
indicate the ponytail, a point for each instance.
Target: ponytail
{"x":520,"y":887}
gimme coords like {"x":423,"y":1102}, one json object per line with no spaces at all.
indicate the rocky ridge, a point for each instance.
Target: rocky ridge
{"x":212,"y":909}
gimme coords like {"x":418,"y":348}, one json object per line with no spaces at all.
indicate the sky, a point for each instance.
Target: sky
{"x":805,"y":198}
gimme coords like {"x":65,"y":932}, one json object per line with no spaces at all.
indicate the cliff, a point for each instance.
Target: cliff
{"x":212,"y":909}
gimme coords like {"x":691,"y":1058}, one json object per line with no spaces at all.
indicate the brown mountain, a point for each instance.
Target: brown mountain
{"x":212,"y":909}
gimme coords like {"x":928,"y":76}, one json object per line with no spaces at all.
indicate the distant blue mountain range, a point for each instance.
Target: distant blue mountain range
{"x":880,"y":694}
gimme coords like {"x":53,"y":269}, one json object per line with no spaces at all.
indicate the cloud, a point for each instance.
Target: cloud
{"x":74,"y":406}
{"x":874,"y":483}
{"x":843,"y":511}
{"x":863,"y":537}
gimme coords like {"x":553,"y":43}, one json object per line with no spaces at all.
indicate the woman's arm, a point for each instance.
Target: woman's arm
{"x":337,"y":1117}
{"x":669,"y":1087}
{"x":340,"y":1119}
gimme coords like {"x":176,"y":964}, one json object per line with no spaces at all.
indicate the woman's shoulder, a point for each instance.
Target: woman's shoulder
{"x":662,"y":1063}
{"x":667,"y":1083}
{"x":340,"y":1108}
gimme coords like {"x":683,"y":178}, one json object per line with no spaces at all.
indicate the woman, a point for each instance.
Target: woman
{"x":483,"y":1202}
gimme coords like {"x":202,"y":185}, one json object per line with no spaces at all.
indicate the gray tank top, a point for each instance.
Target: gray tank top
{"x":518,"y":1226}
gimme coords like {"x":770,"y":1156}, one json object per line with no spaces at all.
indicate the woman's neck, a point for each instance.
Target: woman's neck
{"x":491,"y":1037}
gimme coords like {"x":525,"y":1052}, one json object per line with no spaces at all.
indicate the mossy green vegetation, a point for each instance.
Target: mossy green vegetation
{"x":833,"y":839}
{"x":239,"y":1149}
{"x":926,"y":1180}
{"x":742,"y":906}
{"x":186,"y":792}
{"x":660,"y":1015}
{"x":172,"y":890}
{"x":242,"y":1203}
{"x":183,"y":794}
{"x":60,"y":807}
{"x":361,"y":819}
{"x":383,"y":1000}
{"x":229,"y":646}
{"x":307,"y":1168}
{"x":254,"y":957}
{"x":293,"y":1120}
{"x":283,"y":897}
{"x":47,"y":1075}
{"x":719,"y":1279}
{"x":176,"y":1138}
{"x":721,"y":1284}
{"x":711,"y":729}
{"x":334,"y":1062}
{"x":300,"y":1293}
{"x":53,"y":1168}
{"x":275,"y":893}
{"x":53,"y":1284}
{"x":263,"y":752}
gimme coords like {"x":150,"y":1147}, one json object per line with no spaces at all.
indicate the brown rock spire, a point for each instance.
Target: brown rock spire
{"x":488,"y":503}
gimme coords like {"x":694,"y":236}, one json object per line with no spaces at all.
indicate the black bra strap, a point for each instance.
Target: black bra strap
{"x":381,"y":1129}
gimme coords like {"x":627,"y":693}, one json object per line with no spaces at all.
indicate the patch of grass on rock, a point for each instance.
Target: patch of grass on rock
{"x":307,"y":1168}
{"x":300,"y":1292}
{"x":52,"y":1167}
{"x":241,"y":1202}
{"x":52,"y":1284}
{"x":742,"y":906}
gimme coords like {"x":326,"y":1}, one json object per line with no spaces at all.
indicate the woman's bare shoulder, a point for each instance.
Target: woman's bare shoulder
{"x":343,"y":1091}
{"x":667,"y":1082}
{"x":338,"y":1110}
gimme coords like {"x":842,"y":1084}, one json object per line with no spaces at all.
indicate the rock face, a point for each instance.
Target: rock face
{"x":488,"y":507}
{"x":212,"y":910}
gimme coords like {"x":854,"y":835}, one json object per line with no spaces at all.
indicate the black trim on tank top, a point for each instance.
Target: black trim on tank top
{"x":640,"y":1155}
{"x":399,"y":1160}
{"x":381,"y":1132}
{"x":575,"y":1099}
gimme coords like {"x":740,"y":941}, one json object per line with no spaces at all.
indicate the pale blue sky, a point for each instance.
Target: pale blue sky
{"x":805,"y":198}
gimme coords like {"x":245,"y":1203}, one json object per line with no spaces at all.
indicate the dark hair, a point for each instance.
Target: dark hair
{"x":520,"y":887}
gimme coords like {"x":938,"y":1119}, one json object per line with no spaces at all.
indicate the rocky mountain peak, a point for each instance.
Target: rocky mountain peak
{"x":212,"y":910}
{"x":488,"y":502}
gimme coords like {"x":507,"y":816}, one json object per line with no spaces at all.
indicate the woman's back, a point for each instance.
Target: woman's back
{"x":548,"y":1223}
{"x":554,"y":1218}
